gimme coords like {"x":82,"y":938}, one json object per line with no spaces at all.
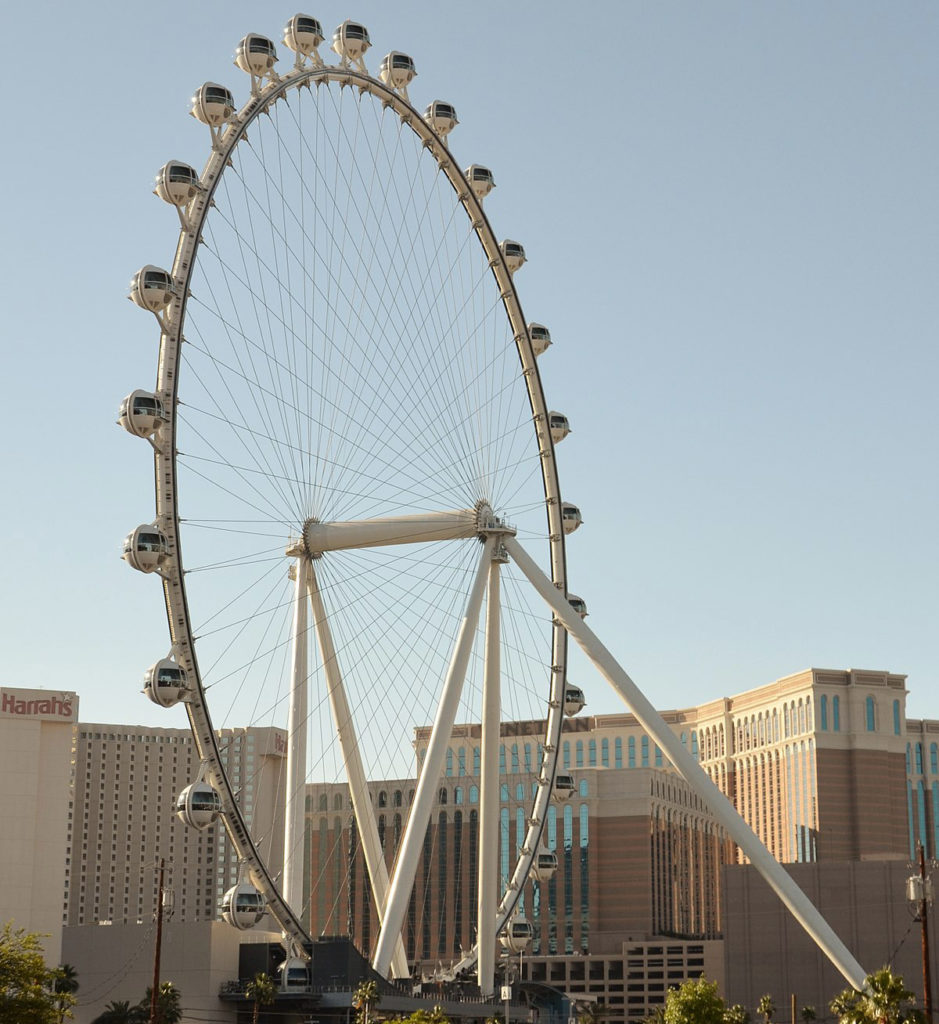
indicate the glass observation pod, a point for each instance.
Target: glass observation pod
{"x":350,"y":41}
{"x":570,"y":517}
{"x":242,"y":906}
{"x":177,"y":183}
{"x":517,"y":935}
{"x":544,"y":865}
{"x":513,"y":253}
{"x":578,"y":604}
{"x":165,"y":683}
{"x":146,"y":548}
{"x":480,"y":180}
{"x":564,"y":786}
{"x":256,"y":54}
{"x":540,"y":338}
{"x":213,"y":104}
{"x":142,"y":413}
{"x":303,"y":34}
{"x":441,"y":117}
{"x":574,"y":700}
{"x":294,"y":974}
{"x":559,"y":425}
{"x":397,"y":70}
{"x":198,"y":805}
{"x":152,"y":288}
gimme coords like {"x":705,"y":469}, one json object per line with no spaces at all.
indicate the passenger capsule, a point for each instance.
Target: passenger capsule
{"x":570,"y":517}
{"x":540,"y":338}
{"x":213,"y":105}
{"x":564,"y":786}
{"x":142,"y":413}
{"x":480,"y":180}
{"x":574,"y":701}
{"x":165,"y":683}
{"x":578,"y":604}
{"x":256,"y":55}
{"x":242,"y":906}
{"x":544,"y":865}
{"x":559,"y":426}
{"x":177,"y":183}
{"x":303,"y":35}
{"x":397,"y":71}
{"x":152,"y":288}
{"x":441,"y":117}
{"x":350,"y":41}
{"x":516,"y":936}
{"x":513,"y":253}
{"x":294,"y":974}
{"x":146,"y":548}
{"x":198,"y":805}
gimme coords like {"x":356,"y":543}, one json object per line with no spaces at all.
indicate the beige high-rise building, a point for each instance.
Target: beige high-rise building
{"x":122,"y":821}
{"x":35,"y":764}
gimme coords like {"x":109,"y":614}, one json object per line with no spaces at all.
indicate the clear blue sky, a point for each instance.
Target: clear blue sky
{"x":730,"y":212}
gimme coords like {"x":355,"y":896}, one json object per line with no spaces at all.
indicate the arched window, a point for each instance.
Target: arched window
{"x":592,"y":753}
{"x":823,"y":712}
{"x":337,"y":802}
{"x":515,"y":763}
{"x":896,"y":718}
{"x":836,"y":714}
{"x":684,"y":740}
{"x":474,"y":794}
{"x":645,"y":751}
{"x":566,"y":753}
{"x":934,"y":763}
{"x":519,"y":791}
{"x":658,"y":756}
{"x":397,"y":798}
{"x":787,"y":725}
{"x":583,"y":787}
{"x":504,"y":793}
{"x":632,"y":752}
{"x":324,"y":801}
{"x":458,"y":795}
{"x":449,"y":761}
{"x":502,"y":758}
{"x":605,"y":752}
{"x":579,"y":754}
{"x":442,"y":795}
{"x":528,"y":757}
{"x":475,"y":760}
{"x":869,"y":714}
{"x":618,"y":752}
{"x":694,"y":744}
{"x":382,"y":798}
{"x":775,"y":726}
{"x":461,"y":760}
{"x":909,"y":759}
{"x":919,"y":759}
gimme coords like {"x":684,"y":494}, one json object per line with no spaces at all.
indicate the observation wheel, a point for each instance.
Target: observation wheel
{"x":348,"y":423}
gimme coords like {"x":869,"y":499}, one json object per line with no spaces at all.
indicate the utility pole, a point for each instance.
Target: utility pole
{"x":919,"y":895}
{"x":155,"y":990}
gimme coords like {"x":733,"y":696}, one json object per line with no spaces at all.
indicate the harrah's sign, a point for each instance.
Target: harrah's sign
{"x":45,"y":705}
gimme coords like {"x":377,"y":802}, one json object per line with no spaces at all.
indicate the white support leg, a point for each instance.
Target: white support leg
{"x":489,"y":792}
{"x":792,"y":896}
{"x":402,"y":880}
{"x":295,"y":811}
{"x":355,"y":773}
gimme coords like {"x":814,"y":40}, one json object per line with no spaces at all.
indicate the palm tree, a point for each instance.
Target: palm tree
{"x":365,"y":997}
{"x":808,"y":1014}
{"x":65,"y":986}
{"x":168,"y":1010}
{"x":593,"y":1013}
{"x":766,"y":1008}
{"x":261,"y":991}
{"x":884,"y":1000}
{"x":119,"y":1011}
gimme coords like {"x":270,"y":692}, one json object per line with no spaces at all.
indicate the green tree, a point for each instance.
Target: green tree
{"x":884,"y":1000}
{"x":736,"y":1014}
{"x":766,"y":1008}
{"x":697,"y":1001}
{"x":27,"y":985}
{"x":808,"y":1014}
{"x":261,"y":990}
{"x":168,"y":1010}
{"x":364,"y":998}
{"x":593,"y":1013}
{"x":65,"y":986}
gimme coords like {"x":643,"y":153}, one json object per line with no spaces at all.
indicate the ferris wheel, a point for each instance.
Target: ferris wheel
{"x":349,"y":430}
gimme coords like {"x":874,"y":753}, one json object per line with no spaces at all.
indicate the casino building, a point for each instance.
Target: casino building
{"x":36,"y":729}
